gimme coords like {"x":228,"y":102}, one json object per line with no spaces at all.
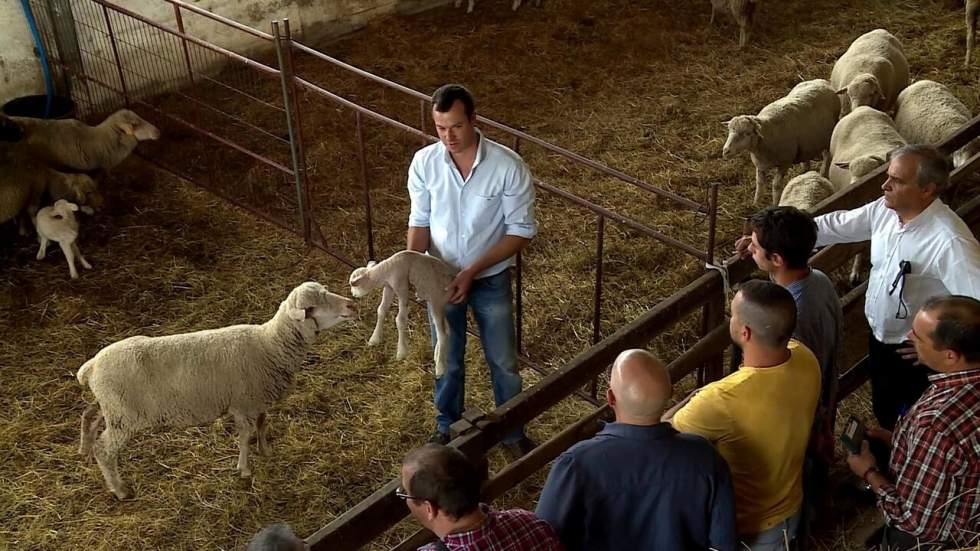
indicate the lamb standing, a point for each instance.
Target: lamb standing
{"x":192,"y":379}
{"x":74,"y":145}
{"x":514,"y":6}
{"x":428,"y":275}
{"x":57,"y":223}
{"x":793,"y":129}
{"x":860,"y":143}
{"x":927,"y":112}
{"x":742,"y":10}
{"x":871,"y":72}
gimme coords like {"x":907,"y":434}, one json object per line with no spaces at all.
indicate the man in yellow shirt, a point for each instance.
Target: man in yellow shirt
{"x":759,"y":417}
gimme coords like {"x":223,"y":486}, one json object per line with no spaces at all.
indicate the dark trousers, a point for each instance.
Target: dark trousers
{"x":888,"y":538}
{"x":896,"y":384}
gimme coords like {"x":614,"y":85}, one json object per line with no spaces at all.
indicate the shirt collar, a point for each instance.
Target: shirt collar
{"x":480,"y":150}
{"x":639,"y":432}
{"x":944,"y":380}
{"x":460,"y":538}
{"x":923,"y":216}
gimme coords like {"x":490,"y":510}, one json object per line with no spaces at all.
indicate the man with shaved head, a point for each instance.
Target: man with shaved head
{"x":760,"y":417}
{"x":640,"y":484}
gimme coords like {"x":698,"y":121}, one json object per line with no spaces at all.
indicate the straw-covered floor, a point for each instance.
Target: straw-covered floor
{"x":642,"y":86}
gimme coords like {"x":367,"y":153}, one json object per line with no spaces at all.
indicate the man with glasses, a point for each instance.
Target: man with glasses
{"x":442,"y":490}
{"x":919,"y":248}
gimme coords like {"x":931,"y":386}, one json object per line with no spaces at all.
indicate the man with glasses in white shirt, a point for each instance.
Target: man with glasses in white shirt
{"x":920,"y":248}
{"x":473,"y":207}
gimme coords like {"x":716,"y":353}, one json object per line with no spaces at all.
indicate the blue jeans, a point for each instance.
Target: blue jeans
{"x":491,"y":300}
{"x":775,"y":538}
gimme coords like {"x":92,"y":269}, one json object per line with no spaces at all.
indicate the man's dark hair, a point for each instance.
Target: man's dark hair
{"x":933,"y":167}
{"x":958,"y":325}
{"x":275,"y":537}
{"x":769,"y":311}
{"x":786,"y":231}
{"x":447,"y":94}
{"x":445,"y":477}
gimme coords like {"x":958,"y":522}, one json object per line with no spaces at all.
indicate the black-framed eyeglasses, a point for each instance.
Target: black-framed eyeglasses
{"x":405,"y":496}
{"x":904,"y":269}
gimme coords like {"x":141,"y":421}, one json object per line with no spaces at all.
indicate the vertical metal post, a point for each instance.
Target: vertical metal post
{"x":712,"y":219}
{"x":295,"y":141}
{"x":183,"y":41}
{"x":597,"y":299}
{"x":519,"y":293}
{"x":115,"y":54}
{"x":362,"y":155}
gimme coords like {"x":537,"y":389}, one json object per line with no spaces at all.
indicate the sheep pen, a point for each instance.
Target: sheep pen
{"x":171,"y":258}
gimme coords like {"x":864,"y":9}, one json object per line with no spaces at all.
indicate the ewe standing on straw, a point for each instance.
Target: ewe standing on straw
{"x":473,"y":207}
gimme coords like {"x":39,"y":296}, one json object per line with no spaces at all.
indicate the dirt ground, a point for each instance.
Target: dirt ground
{"x":641,"y":85}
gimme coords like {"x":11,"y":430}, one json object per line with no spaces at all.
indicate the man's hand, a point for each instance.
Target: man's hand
{"x":861,"y":462}
{"x":742,"y":246}
{"x":908,"y":353}
{"x":879,"y":433}
{"x":459,"y":287}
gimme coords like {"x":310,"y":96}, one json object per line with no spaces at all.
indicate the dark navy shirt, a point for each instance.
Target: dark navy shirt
{"x":640,"y":487}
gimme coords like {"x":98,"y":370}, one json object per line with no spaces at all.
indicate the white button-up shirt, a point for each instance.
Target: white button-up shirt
{"x":944,"y":257}
{"x":467,"y":217}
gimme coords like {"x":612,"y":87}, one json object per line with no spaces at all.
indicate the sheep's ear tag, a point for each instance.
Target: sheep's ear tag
{"x":297,"y":314}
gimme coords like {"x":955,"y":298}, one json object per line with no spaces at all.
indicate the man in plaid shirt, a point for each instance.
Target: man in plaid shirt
{"x":931,"y":494}
{"x":442,"y":490}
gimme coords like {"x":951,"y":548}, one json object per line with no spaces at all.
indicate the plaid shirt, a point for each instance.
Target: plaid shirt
{"x":936,"y":463}
{"x":511,"y":530}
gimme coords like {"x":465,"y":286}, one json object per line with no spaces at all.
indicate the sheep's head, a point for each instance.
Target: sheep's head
{"x":744,"y":131}
{"x":64,"y":208}
{"x":859,"y":167}
{"x":129,"y":123}
{"x":86,"y":190}
{"x":863,"y":89}
{"x":361,"y":282}
{"x":312,"y":301}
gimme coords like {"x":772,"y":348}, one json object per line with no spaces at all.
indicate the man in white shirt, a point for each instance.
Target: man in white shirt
{"x":472,"y":206}
{"x":920,"y":248}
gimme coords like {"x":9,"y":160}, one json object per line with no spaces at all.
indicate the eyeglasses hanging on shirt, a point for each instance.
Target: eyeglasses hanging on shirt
{"x":904,"y":269}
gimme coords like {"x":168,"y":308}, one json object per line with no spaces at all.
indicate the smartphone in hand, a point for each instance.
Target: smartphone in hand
{"x":853,"y":435}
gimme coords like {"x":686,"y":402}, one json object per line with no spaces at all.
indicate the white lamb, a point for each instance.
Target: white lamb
{"x":860,"y":144}
{"x":58,"y":223}
{"x":806,"y":191}
{"x":742,"y":10}
{"x":397,"y":274}
{"x":141,"y":383}
{"x":872,"y":72}
{"x":972,"y":11}
{"x":927,"y":112}
{"x":514,"y":5}
{"x":793,"y":129}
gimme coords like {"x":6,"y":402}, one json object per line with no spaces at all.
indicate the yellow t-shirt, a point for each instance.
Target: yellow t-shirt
{"x":759,"y":420}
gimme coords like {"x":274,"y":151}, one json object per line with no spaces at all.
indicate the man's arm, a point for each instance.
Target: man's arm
{"x":668,"y":415}
{"x":560,"y":505}
{"x":845,"y":226}
{"x":417,"y":239}
{"x":959,"y":267}
{"x":508,"y":246}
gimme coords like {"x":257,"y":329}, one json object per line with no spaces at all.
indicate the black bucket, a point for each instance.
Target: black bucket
{"x":33,"y":106}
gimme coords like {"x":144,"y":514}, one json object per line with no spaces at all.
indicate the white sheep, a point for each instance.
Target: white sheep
{"x":806,"y":191}
{"x":514,"y":5}
{"x":74,"y":145}
{"x":141,"y":383}
{"x":742,"y":10}
{"x":972,"y":11}
{"x":793,"y":129}
{"x":872,"y":72}
{"x":927,"y":112}
{"x":57,"y":223}
{"x":398,"y":274}
{"x":860,"y":144}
